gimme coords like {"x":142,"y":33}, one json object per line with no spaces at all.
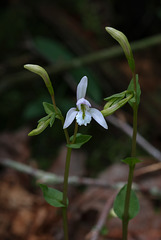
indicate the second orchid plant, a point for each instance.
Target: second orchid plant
{"x":126,"y":205}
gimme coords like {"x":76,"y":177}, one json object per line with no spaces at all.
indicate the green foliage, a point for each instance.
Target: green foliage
{"x":52,"y":196}
{"x":42,"y":125}
{"x":79,"y":141}
{"x":138,"y":92}
{"x":48,"y":107}
{"x":115,"y":102}
{"x":45,"y":118}
{"x":119,"y":203}
{"x":52,"y":119}
{"x":45,"y":121}
{"x":116,"y":96}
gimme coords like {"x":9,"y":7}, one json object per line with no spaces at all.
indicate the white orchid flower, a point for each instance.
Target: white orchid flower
{"x":83,"y":112}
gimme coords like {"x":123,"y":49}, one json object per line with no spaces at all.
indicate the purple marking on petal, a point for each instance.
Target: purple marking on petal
{"x":98,"y":117}
{"x":71,"y":114}
{"x":82,"y":88}
{"x":83,"y":101}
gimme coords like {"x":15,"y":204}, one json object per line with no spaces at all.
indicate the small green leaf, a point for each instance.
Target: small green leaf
{"x":44,"y":118}
{"x":131,"y":161}
{"x":115,"y":103}
{"x":138,"y":90}
{"x":48,"y":107}
{"x":117,"y":95}
{"x":52,"y":119}
{"x":119,"y":203}
{"x":59,"y":114}
{"x":80,"y":140}
{"x":52,"y":196}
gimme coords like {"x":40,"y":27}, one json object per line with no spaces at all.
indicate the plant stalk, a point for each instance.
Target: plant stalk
{"x":62,"y":119}
{"x":65,"y":190}
{"x":125,"y":220}
{"x":66,"y":173}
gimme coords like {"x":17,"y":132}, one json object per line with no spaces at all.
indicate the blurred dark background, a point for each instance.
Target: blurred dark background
{"x":48,"y":33}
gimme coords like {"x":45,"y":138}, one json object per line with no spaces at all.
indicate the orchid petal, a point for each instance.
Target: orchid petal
{"x":82,"y":87}
{"x":98,"y":117}
{"x":71,"y":114}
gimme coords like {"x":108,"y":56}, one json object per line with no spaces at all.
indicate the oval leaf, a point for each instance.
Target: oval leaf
{"x":120,"y":202}
{"x":44,"y":118}
{"x":48,"y":107}
{"x":80,"y":140}
{"x":52,"y":196}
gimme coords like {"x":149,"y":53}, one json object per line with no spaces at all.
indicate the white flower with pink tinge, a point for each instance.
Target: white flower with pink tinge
{"x":83,"y":112}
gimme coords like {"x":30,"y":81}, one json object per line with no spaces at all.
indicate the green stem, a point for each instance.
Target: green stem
{"x":54,"y":103}
{"x":125,"y":220}
{"x":127,"y":203}
{"x":65,"y":223}
{"x":66,"y":175}
{"x":62,"y":119}
{"x":66,"y":172}
{"x":75,"y":132}
{"x":65,"y":190}
{"x":135,"y":113}
{"x":65,"y":131}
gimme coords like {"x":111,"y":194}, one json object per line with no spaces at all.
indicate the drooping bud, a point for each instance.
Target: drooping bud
{"x":42,"y":73}
{"x":123,"y":41}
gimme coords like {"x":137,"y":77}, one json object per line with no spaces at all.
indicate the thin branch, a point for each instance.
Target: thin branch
{"x":101,"y":55}
{"x":149,"y":148}
{"x":51,"y":178}
{"x":148,"y":169}
{"x":94,"y":233}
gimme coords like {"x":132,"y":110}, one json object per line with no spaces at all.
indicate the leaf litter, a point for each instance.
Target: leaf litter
{"x":25,"y":215}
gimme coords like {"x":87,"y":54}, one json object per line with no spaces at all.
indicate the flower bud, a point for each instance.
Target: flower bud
{"x":42,"y":73}
{"x":123,"y":41}
{"x":115,"y":102}
{"x":40,"y":128}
